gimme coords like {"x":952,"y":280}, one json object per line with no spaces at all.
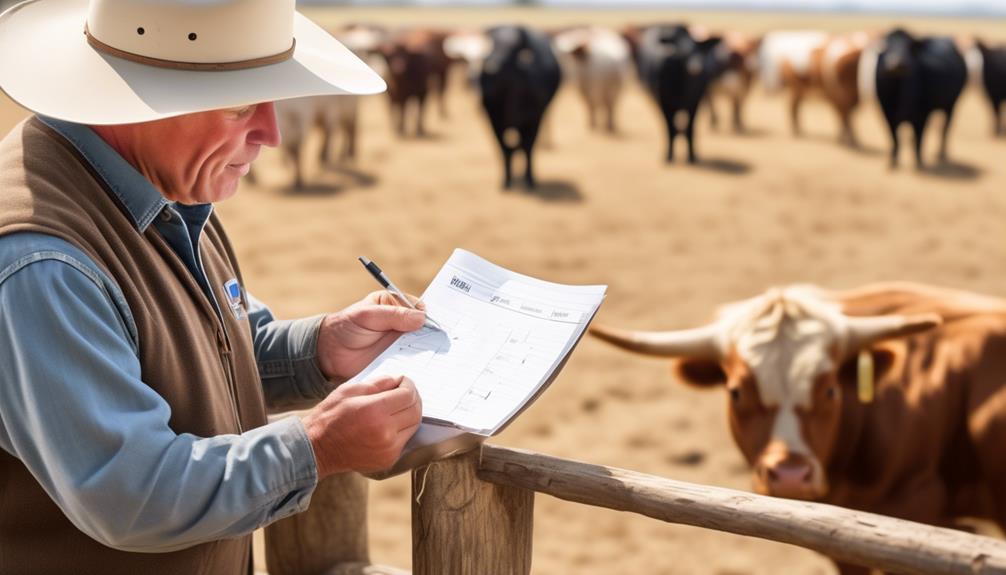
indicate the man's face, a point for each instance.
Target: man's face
{"x":199,"y":158}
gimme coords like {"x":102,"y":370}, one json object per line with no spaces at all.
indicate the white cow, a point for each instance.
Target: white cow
{"x":598,"y":61}
{"x":336,"y":116}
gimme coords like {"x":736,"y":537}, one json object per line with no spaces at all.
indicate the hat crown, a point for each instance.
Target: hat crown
{"x":194,"y":31}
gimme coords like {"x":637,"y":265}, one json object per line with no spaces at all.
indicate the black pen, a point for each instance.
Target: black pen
{"x":387,"y":284}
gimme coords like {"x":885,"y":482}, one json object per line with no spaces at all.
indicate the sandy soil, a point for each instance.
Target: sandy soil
{"x":671,"y":241}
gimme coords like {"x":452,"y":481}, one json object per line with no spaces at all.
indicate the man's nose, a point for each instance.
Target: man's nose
{"x":265,"y":131}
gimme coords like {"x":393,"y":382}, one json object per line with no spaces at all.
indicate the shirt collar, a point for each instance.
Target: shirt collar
{"x":141,"y":199}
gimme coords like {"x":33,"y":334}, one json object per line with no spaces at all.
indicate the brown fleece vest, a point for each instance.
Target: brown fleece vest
{"x":203,"y":368}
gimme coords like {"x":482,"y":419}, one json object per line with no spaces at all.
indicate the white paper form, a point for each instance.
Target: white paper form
{"x":506,"y":334}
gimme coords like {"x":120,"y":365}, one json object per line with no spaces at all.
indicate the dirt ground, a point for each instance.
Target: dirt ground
{"x":671,"y":241}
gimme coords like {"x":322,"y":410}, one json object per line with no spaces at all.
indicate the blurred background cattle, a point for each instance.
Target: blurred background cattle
{"x":912,"y":78}
{"x":519,"y":78}
{"x":759,"y":208}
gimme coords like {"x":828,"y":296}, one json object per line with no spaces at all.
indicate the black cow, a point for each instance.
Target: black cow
{"x":676,"y":70}
{"x":994,"y":80}
{"x":914,"y":78}
{"x":519,"y":79}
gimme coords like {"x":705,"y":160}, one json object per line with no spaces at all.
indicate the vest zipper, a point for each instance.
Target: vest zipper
{"x":225,"y":357}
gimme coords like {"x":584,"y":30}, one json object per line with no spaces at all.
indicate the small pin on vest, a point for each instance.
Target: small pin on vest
{"x":232,"y":289}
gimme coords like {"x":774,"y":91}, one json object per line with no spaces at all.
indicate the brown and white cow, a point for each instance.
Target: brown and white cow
{"x":808,"y":63}
{"x":889,"y":398}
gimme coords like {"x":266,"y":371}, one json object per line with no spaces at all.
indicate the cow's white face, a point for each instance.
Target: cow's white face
{"x":785,"y":399}
{"x":780,"y":356}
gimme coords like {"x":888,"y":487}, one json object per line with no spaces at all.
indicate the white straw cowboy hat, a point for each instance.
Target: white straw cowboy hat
{"x":126,"y":61}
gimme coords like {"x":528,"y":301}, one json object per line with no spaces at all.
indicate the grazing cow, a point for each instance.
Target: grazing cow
{"x":734,"y":83}
{"x":597,"y":60}
{"x":889,"y":398}
{"x":676,"y":70}
{"x":518,"y":81}
{"x":416,"y":62}
{"x":912,"y":78}
{"x":993,"y":78}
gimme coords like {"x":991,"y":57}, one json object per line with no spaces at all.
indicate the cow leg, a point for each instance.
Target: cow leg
{"x":610,"y":109}
{"x":349,"y":151}
{"x":738,"y":119}
{"x":527,"y":139}
{"x":796,"y":98}
{"x":947,"y":119}
{"x":298,"y":175}
{"x":690,"y":135}
{"x":714,"y":120}
{"x":420,"y":108}
{"x":918,"y":131}
{"x":398,"y":117}
{"x":672,"y":134}
{"x":507,"y":151}
{"x":893,"y":128}
{"x":326,"y":144}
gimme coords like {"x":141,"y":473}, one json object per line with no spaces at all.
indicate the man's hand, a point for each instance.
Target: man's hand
{"x":363,"y":426}
{"x":350,"y":339}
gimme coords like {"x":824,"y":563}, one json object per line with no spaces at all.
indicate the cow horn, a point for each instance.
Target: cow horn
{"x":698,"y":342}
{"x":864,"y":331}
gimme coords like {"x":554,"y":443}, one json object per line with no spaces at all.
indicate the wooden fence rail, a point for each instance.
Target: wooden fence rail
{"x":473,"y":515}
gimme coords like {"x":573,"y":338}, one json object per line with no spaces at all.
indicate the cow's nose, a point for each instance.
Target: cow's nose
{"x":790,"y":477}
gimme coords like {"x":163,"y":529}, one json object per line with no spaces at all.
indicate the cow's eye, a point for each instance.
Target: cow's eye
{"x":735,"y":394}
{"x":831,"y":393}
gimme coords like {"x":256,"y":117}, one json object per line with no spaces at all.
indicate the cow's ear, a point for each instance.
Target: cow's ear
{"x":699,"y":372}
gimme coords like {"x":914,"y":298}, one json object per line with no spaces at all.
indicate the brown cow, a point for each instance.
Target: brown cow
{"x":734,"y":82}
{"x":417,"y":63}
{"x":890,"y":398}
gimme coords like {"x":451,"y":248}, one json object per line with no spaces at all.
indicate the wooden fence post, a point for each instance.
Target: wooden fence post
{"x":464,"y":526}
{"x":332,"y":532}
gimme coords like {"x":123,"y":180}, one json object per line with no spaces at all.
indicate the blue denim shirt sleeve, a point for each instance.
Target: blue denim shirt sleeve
{"x":287,"y":355}
{"x":74,"y":409}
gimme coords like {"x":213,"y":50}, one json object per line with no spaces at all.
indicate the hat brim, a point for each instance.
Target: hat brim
{"x":47,"y":66}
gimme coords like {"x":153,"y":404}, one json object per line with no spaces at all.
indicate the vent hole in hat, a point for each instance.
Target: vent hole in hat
{"x":192,"y":36}
{"x":140,"y":30}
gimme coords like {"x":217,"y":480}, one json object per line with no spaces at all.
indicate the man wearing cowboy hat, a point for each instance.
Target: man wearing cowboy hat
{"x":135,"y":370}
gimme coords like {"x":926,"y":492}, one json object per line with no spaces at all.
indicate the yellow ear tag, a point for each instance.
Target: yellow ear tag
{"x":864,"y":380}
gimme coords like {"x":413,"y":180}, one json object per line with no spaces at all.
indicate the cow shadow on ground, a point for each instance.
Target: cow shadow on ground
{"x":864,"y":150}
{"x":338,"y":179}
{"x":426,"y":136}
{"x":313,"y":189}
{"x":951,"y":170}
{"x":723,"y":165}
{"x":551,"y":191}
{"x":746,"y":133}
{"x":355,"y":177}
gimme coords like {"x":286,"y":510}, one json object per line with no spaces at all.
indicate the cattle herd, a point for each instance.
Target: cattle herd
{"x":517,"y":71}
{"x":889,"y":398}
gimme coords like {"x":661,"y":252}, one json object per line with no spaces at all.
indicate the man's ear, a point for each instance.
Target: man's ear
{"x":883,"y":360}
{"x":698,"y":372}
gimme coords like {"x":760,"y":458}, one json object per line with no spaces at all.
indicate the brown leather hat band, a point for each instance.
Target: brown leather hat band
{"x":203,"y":66}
